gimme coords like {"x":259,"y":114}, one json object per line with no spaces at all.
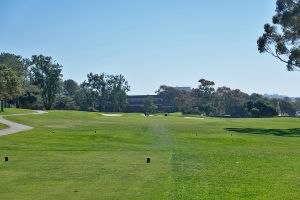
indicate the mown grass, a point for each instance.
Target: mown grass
{"x":9,"y":111}
{"x":190,"y":158}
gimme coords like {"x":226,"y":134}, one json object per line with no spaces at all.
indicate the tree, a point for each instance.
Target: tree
{"x":204,"y":96}
{"x":96,"y":90}
{"x":70,"y":87}
{"x":20,"y":66}
{"x":231,"y":102}
{"x":9,"y":84}
{"x":206,"y":87}
{"x":16,"y":63}
{"x":184,"y":101}
{"x":104,"y":92}
{"x":85,"y":99}
{"x":65,"y":103}
{"x":283,"y":44}
{"x":46,"y":74}
{"x":256,"y":97}
{"x":149,"y":105}
{"x":117,"y":89}
{"x":29,"y":96}
{"x":297,"y":103}
{"x":169,"y":96}
{"x":261,"y":109}
{"x":287,"y":107}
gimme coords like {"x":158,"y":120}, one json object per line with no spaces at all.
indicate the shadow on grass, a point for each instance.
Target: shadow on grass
{"x":295,"y":132}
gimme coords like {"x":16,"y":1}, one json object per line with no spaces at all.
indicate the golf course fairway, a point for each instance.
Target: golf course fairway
{"x":83,"y":155}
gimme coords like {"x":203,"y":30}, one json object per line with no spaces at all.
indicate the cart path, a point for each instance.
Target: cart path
{"x":15,"y":127}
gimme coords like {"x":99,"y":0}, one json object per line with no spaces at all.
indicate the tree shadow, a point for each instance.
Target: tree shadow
{"x":295,"y":132}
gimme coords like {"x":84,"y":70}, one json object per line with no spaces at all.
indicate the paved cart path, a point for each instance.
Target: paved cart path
{"x":15,"y":127}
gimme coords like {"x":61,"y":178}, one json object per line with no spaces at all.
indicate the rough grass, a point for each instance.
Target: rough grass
{"x":190,"y":159}
{"x":3,"y":126}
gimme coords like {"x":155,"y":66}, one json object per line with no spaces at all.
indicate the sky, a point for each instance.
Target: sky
{"x":152,"y":43}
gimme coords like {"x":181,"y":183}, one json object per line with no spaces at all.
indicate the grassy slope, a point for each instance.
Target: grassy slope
{"x":3,"y":126}
{"x":76,"y":163}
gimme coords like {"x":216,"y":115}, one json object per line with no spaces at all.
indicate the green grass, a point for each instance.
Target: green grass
{"x":3,"y":126}
{"x":190,"y":158}
{"x":9,"y":111}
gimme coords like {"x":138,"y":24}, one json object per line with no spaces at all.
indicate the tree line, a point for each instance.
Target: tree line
{"x":221,"y":102}
{"x":37,"y":83}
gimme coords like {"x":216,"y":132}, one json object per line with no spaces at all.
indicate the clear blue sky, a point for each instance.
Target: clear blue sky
{"x":151,"y":42}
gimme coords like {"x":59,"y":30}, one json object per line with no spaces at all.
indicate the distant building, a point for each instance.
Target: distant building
{"x":136,"y":102}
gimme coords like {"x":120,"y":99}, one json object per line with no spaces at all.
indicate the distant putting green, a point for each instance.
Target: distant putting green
{"x":82,"y":155}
